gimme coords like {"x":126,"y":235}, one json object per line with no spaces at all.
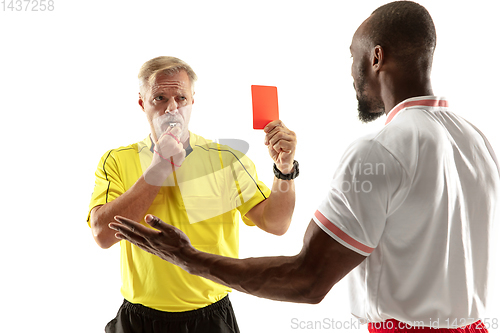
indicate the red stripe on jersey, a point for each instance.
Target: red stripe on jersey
{"x":424,"y":102}
{"x":342,"y":235}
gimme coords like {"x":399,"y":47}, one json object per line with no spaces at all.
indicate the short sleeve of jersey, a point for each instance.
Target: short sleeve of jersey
{"x":356,"y":207}
{"x":108,"y":184}
{"x":249,"y":190}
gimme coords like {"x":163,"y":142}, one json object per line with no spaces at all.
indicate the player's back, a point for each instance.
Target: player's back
{"x":437,"y":238}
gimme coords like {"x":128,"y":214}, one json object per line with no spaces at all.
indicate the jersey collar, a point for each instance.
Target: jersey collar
{"x":432,"y":101}
{"x":193,"y":138}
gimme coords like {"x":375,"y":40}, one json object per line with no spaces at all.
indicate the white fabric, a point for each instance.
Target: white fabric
{"x":427,"y":188}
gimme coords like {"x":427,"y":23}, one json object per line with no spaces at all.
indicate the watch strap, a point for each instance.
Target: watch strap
{"x":290,"y":176}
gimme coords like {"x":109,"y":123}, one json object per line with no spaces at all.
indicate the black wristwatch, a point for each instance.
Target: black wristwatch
{"x":293,"y":175}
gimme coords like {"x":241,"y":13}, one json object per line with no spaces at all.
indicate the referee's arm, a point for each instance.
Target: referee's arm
{"x":133,"y":204}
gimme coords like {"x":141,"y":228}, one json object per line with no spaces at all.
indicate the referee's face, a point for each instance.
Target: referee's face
{"x":168,"y":102}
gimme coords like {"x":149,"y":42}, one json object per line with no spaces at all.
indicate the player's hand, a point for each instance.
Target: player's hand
{"x":169,"y":148}
{"x":281,"y":143}
{"x":162,"y":239}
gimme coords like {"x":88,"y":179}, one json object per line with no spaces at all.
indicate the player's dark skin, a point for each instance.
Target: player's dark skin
{"x":308,"y":276}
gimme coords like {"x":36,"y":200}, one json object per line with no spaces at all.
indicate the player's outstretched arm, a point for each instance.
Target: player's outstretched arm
{"x":304,"y":278}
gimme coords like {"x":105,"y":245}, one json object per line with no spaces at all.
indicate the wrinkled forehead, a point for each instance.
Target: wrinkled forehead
{"x":171,"y":82}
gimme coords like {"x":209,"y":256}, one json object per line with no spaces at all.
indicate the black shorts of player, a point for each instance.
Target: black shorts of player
{"x":134,"y":318}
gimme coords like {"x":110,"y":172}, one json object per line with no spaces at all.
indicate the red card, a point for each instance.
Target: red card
{"x":265,"y":105}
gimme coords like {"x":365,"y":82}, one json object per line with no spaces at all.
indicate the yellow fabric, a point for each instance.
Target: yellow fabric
{"x":201,"y":198}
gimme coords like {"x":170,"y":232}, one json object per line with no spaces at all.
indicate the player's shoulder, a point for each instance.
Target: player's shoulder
{"x":371,"y":147}
{"x":365,"y":143}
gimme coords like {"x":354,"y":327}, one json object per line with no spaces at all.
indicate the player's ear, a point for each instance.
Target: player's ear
{"x":141,"y":102}
{"x":377,"y":58}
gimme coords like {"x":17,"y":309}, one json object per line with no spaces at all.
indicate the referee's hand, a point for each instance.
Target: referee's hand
{"x":169,"y":148}
{"x":281,"y":143}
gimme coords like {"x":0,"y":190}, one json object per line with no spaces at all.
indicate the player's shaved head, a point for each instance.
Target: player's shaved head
{"x":406,"y":32}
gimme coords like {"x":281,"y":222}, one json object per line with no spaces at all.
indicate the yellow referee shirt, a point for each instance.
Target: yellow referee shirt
{"x":201,"y":198}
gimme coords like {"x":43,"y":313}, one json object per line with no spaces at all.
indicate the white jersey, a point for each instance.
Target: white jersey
{"x":418,"y":198}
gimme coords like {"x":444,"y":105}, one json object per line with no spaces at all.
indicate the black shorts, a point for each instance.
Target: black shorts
{"x":134,"y":318}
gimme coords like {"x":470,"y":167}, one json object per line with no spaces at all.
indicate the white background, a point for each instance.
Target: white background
{"x":68,"y":93}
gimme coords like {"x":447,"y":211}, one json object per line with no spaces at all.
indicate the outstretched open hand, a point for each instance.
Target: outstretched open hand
{"x":162,"y":240}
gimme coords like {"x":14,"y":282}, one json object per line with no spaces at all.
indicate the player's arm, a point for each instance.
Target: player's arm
{"x":274,"y":214}
{"x":135,"y":202}
{"x":304,"y":278}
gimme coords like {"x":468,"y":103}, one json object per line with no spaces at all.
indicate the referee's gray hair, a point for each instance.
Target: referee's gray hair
{"x":163,"y":65}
